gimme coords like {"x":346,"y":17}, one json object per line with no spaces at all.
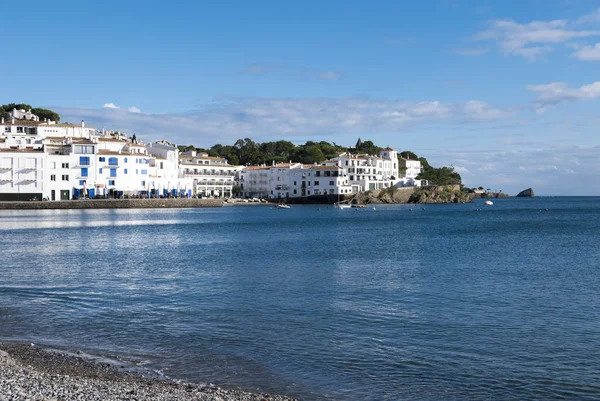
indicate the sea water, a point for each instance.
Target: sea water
{"x":441,"y":302}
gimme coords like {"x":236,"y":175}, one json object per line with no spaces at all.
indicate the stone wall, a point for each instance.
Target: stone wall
{"x":114,"y":204}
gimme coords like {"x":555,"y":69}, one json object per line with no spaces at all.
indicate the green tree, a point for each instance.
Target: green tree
{"x":46,"y":114}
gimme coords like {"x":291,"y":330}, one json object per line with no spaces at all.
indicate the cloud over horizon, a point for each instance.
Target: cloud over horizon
{"x":534,"y":39}
{"x":230,"y":118}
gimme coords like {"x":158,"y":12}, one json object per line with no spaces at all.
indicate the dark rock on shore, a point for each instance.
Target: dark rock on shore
{"x":526,"y":193}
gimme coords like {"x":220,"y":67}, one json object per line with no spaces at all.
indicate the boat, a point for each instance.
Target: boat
{"x":358,"y":206}
{"x":489,"y":203}
{"x":342,"y":205}
{"x":282,"y":206}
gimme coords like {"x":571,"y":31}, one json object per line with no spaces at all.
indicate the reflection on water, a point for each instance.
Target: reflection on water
{"x":437,"y":304}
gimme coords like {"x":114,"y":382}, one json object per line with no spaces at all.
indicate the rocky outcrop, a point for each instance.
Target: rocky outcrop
{"x":526,"y":193}
{"x":494,"y":195}
{"x":440,"y":194}
{"x":388,"y":195}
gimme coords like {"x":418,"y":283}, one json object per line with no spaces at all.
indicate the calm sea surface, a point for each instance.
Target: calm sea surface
{"x":446,"y":303}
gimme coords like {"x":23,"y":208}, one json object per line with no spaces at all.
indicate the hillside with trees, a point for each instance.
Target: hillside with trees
{"x":247,"y":152}
{"x":5,"y":109}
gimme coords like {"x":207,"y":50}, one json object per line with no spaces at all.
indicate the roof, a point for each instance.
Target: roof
{"x":388,"y":148}
{"x":201,"y":157}
{"x":112,"y":152}
{"x":324,"y":167}
{"x":257,"y":168}
{"x":111,"y":140}
{"x":200,"y":165}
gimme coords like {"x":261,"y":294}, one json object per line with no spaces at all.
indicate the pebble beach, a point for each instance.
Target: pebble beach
{"x":29,"y":372}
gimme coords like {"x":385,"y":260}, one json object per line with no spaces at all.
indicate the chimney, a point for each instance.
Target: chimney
{"x":13,"y":120}
{"x":82,"y":124}
{"x":2,"y":120}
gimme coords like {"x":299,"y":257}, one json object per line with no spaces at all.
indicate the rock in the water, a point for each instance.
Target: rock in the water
{"x":526,"y":193}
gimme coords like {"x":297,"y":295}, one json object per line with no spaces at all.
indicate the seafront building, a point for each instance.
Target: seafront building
{"x":55,"y":161}
{"x":345,"y":174}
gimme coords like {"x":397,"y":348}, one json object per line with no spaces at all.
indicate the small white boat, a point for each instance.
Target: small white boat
{"x":282,"y":206}
{"x":489,"y":203}
{"x":342,"y":206}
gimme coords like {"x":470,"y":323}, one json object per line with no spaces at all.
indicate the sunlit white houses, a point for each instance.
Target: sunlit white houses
{"x":410,"y":169}
{"x":293,"y":180}
{"x":209,"y":176}
{"x":164,"y":169}
{"x":24,"y":115}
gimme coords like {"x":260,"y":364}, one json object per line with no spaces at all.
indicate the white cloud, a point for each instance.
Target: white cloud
{"x":590,"y":18}
{"x":330,"y":75}
{"x":533,"y":39}
{"x":110,"y":106}
{"x":478,"y":110}
{"x":133,"y":109}
{"x":230,"y":118}
{"x":588,"y":53}
{"x":559,"y":92}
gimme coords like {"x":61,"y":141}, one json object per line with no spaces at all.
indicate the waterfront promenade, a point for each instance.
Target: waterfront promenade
{"x":114,"y":204}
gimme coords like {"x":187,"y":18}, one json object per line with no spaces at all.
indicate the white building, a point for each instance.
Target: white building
{"x":206,"y":175}
{"x":24,"y":115}
{"x":346,"y":174}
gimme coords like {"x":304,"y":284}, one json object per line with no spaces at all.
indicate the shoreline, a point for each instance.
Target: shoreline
{"x":40,"y":373}
{"x":113,"y":204}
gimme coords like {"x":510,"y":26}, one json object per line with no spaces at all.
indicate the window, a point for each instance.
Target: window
{"x":316,"y":183}
{"x":125,"y":171}
{"x":52,"y":165}
{"x":331,"y":182}
{"x":113,"y":172}
{"x":65,"y":165}
{"x":65,"y":177}
{"x":84,"y":160}
{"x":100,"y":170}
{"x":111,"y":182}
{"x":346,"y":162}
{"x":295,"y":191}
{"x":143,"y":183}
{"x":84,"y":172}
{"x":53,"y":177}
{"x":81,"y":182}
{"x":113,"y":161}
{"x":125,"y":160}
{"x":161,"y":165}
{"x":351,"y":178}
{"x":137,"y":171}
{"x":144,"y":172}
{"x":6,"y":129}
{"x":84,"y":149}
{"x":317,"y":173}
{"x":295,"y":184}
{"x":20,"y":129}
{"x":102,"y":159}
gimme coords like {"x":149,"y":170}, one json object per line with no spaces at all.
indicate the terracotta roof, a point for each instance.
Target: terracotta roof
{"x":388,"y":148}
{"x":201,"y":157}
{"x":112,"y":152}
{"x":209,"y":165}
{"x":111,"y":140}
{"x":325,"y":167}
{"x":256,"y":168}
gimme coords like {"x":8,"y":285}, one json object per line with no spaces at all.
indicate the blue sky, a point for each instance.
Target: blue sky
{"x":505,"y":91}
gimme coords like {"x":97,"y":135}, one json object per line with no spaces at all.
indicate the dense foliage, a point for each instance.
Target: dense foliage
{"x":5,"y":109}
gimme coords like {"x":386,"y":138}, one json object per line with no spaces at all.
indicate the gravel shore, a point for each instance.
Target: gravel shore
{"x":31,"y":373}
